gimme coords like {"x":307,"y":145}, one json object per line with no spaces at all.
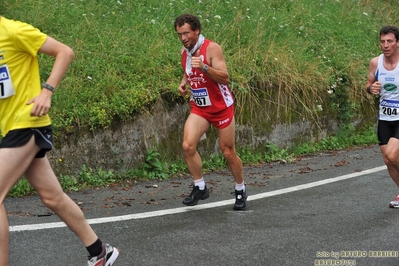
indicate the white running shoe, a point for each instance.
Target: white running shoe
{"x":107,"y":257}
{"x":395,"y":202}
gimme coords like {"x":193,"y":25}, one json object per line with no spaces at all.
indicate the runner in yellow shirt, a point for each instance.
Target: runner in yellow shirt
{"x":27,"y":133}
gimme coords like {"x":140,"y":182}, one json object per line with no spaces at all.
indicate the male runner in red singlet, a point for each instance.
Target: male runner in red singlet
{"x":383,"y":80}
{"x":212,"y":103}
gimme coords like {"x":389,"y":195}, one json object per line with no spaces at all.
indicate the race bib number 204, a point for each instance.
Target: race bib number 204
{"x":389,"y":108}
{"x":6,"y":86}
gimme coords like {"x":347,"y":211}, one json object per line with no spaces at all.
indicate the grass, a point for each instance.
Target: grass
{"x":127,"y":53}
{"x":284,"y":57}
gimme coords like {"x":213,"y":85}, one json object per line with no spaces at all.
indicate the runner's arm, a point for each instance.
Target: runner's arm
{"x":371,"y":77}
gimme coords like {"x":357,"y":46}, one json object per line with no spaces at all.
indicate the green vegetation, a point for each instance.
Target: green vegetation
{"x":290,"y":54}
{"x":127,"y":53}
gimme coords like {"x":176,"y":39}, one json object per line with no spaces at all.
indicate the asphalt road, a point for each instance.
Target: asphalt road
{"x":326,"y":209}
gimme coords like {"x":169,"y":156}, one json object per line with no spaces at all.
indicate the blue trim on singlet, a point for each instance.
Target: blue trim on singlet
{"x":376,"y":74}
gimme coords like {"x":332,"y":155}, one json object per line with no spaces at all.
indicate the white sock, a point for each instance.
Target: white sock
{"x":240,"y":186}
{"x":200,"y":183}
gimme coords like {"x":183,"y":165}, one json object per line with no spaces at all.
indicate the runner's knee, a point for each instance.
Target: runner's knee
{"x":52,"y":200}
{"x":229,"y":154}
{"x":189,"y":148}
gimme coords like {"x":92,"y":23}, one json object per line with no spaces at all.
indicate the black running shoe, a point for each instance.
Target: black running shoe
{"x":241,"y":200}
{"x":195,"y":196}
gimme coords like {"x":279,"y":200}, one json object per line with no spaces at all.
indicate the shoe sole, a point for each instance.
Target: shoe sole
{"x":195,"y":203}
{"x":241,"y":209}
{"x":112,"y":259}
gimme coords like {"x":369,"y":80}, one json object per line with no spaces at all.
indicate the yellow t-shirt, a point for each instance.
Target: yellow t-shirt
{"x":19,"y":75}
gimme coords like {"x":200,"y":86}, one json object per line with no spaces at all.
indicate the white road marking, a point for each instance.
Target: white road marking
{"x":31,"y":227}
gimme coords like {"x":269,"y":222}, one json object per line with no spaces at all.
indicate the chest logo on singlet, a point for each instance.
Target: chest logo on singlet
{"x":196,"y":80}
{"x":390,"y":87}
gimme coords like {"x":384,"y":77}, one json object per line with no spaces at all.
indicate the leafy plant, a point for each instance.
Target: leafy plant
{"x":153,"y":168}
{"x":89,"y":177}
{"x":68,"y":183}
{"x":22,"y":188}
{"x":216,"y":161}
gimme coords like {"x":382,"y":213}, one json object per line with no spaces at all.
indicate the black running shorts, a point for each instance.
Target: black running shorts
{"x":387,"y":130}
{"x":19,"y":137}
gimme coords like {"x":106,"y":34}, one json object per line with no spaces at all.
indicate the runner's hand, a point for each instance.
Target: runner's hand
{"x":41,"y":103}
